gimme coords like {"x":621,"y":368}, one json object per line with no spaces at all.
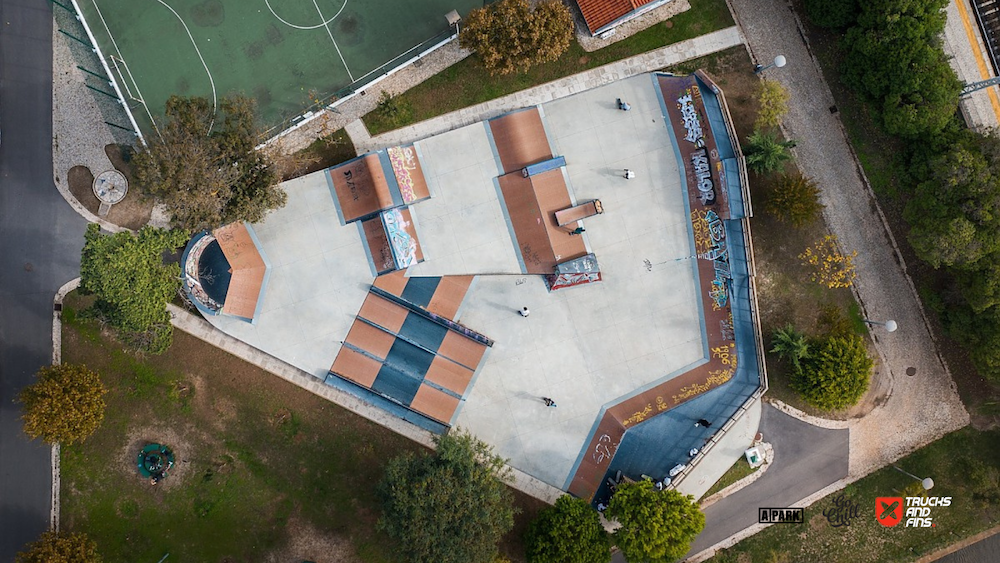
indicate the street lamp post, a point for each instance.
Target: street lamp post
{"x":779,"y":62}
{"x":890,"y":325}
{"x":927,"y":483}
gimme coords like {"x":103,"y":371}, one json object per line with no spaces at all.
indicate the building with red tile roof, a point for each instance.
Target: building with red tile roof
{"x":605,"y":15}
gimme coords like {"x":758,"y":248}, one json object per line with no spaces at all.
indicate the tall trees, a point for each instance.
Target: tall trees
{"x":64,"y":405}
{"x":132,"y":283}
{"x":512,"y":35}
{"x":765,"y":152}
{"x":894,"y":59}
{"x":569,"y":532}
{"x":656,"y":526}
{"x":203,"y":165}
{"x":449,"y":507}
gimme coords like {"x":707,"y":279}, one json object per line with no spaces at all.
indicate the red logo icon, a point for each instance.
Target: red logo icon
{"x":889,"y":510}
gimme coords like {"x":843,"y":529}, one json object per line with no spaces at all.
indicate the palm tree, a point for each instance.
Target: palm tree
{"x":765,"y":153}
{"x":791,"y":345}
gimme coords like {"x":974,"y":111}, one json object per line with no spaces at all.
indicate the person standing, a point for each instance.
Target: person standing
{"x":577,"y":231}
{"x":629,"y":174}
{"x":524,"y":312}
{"x":703,"y":422}
{"x":549,"y":402}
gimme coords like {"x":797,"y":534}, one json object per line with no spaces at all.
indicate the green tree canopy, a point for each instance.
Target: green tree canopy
{"x":765,"y":152}
{"x":836,"y":372}
{"x":203,"y":165}
{"x":832,"y":13}
{"x":773,"y":100}
{"x":955,"y":213}
{"x":449,"y":507}
{"x":60,"y":547}
{"x":894,"y":60}
{"x":569,"y":532}
{"x":512,"y":35}
{"x":132,"y":284}
{"x":64,"y":405}
{"x":656,"y":526}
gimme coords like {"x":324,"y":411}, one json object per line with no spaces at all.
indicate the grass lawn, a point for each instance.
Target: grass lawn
{"x":964,"y":466}
{"x":785,"y":293}
{"x":739,"y":470}
{"x":265,"y":470}
{"x":883,"y":160}
{"x":467,"y":83}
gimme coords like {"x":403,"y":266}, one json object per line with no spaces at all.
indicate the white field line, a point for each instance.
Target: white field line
{"x":305,"y":27}
{"x":330,"y":33}
{"x":215,"y":99}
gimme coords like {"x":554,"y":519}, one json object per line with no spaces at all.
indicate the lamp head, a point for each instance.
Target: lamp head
{"x":779,"y":61}
{"x":891,"y":326}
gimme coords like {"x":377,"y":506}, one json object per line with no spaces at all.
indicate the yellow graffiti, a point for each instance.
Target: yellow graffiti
{"x":638,"y":416}
{"x":725,"y":355}
{"x":715,"y":378}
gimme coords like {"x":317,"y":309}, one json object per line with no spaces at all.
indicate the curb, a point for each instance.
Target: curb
{"x":810,"y":419}
{"x":56,"y":360}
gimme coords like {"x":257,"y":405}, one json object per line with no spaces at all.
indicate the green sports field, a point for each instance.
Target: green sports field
{"x":288,"y":54}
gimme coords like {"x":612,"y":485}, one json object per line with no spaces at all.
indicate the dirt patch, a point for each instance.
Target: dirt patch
{"x":306,"y":543}
{"x":133,"y":212}
{"x":139,"y":437}
{"x":81,"y":185}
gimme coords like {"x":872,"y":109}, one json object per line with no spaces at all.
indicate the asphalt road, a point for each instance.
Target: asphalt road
{"x":806,"y":459}
{"x":985,"y":551}
{"x":40,"y":240}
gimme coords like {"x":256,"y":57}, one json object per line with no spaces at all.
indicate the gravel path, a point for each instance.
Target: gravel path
{"x":925,"y":406}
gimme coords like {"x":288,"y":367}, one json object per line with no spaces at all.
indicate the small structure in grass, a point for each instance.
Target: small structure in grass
{"x":155,"y":461}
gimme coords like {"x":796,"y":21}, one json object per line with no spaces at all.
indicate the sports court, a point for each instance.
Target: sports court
{"x":291,"y":55}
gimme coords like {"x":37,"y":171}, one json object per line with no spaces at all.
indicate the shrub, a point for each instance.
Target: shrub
{"x":60,"y":547}
{"x":827,"y":265}
{"x":835,"y":374}
{"x":773,"y":100}
{"x":65,"y":404}
{"x":795,"y":200}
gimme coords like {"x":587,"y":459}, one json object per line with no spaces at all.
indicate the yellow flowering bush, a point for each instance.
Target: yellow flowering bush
{"x":828,"y":266}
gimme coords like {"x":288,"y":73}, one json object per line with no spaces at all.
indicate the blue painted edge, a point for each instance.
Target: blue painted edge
{"x":392,"y":407}
{"x":184,"y":256}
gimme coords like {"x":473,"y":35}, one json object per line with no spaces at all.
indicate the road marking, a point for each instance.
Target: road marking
{"x":980,"y":61}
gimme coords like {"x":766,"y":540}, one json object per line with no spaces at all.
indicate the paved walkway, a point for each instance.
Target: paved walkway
{"x":923,"y":407}
{"x":653,"y":60}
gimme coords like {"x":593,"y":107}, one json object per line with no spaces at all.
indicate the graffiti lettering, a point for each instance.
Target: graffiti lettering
{"x":605,"y":449}
{"x":692,"y":123}
{"x":349,"y":178}
{"x":703,"y":174}
{"x":638,"y":416}
{"x":715,"y":378}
